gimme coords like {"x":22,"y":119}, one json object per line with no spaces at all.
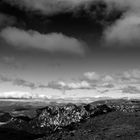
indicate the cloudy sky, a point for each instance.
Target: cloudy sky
{"x":69,"y":48}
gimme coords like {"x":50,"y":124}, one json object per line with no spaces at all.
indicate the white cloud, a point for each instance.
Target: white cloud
{"x":132,"y":76}
{"x":107,"y":78}
{"x":89,"y":80}
{"x":106,"y":86}
{"x":91,"y":76}
{"x":69,"y":86}
{"x":79,"y":85}
{"x":53,"y":42}
{"x":125,"y":32}
{"x":135,"y":73}
{"x":16,"y":94}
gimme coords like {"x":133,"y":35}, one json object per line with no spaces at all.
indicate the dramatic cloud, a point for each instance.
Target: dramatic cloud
{"x":54,"y":42}
{"x":56,"y":6}
{"x":122,"y":31}
{"x":125,"y":32}
{"x":48,"y":6}
{"x":40,"y":27}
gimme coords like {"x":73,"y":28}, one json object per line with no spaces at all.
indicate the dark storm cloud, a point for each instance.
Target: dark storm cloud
{"x":6,"y":20}
{"x":82,"y":15}
{"x":83,"y":19}
{"x":48,"y":6}
{"x":98,"y":23}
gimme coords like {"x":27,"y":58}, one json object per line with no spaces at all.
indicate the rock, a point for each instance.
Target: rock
{"x":5,"y":117}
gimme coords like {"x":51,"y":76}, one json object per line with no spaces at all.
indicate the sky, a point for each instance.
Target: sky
{"x":69,"y":49}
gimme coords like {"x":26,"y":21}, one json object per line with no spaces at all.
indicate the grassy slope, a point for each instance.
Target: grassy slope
{"x":112,"y":126}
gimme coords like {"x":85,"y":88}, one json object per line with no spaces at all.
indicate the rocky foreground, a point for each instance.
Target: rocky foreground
{"x":101,"y":120}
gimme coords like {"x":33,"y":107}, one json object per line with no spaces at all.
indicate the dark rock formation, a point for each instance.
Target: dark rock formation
{"x":5,"y":117}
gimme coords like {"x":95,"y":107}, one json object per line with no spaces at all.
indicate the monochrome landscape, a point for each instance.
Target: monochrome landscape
{"x":69,"y":70}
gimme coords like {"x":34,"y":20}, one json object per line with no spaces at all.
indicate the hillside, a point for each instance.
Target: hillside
{"x":101,"y":120}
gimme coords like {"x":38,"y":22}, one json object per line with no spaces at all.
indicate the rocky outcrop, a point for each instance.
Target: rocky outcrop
{"x":5,"y":117}
{"x":58,"y":117}
{"x":53,"y":118}
{"x":125,"y":106}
